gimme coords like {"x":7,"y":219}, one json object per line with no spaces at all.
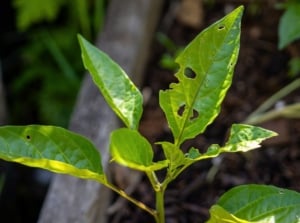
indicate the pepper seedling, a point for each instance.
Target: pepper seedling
{"x":205,"y":73}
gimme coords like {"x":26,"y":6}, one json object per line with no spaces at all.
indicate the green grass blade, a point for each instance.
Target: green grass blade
{"x":118,"y":90}
{"x":51,"y":148}
{"x":205,"y":74}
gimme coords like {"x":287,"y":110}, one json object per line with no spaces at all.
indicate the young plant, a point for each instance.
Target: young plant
{"x":205,"y":74}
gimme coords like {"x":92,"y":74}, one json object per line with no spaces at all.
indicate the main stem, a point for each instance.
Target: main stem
{"x":160,"y":206}
{"x":159,"y":197}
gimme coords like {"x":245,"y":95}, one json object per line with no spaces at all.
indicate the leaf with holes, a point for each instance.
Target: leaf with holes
{"x":257,"y":203}
{"x":51,"y":148}
{"x":118,"y":90}
{"x":242,"y":138}
{"x":205,"y":73}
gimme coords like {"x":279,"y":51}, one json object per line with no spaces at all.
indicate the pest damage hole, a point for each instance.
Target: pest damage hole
{"x":181,"y":110}
{"x":188,"y":72}
{"x":28,"y":137}
{"x":195,"y":115}
{"x":221,"y":27}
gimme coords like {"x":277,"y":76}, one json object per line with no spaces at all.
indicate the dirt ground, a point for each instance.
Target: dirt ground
{"x":261,"y":71}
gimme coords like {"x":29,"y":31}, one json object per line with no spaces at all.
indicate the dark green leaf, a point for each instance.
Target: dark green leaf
{"x":289,"y":25}
{"x":51,"y":148}
{"x":262,"y":203}
{"x":118,"y":90}
{"x":206,"y":68}
{"x":193,"y":153}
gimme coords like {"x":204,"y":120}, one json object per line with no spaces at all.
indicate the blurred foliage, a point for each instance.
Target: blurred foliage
{"x":289,"y":31}
{"x":51,"y":68}
{"x":34,"y":11}
{"x":167,"y":60}
{"x":289,"y":25}
{"x":294,"y":67}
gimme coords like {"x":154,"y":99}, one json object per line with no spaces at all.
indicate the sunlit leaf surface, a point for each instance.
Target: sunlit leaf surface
{"x":118,"y":90}
{"x":258,"y":203}
{"x":51,"y":148}
{"x":205,"y":74}
{"x":128,"y":147}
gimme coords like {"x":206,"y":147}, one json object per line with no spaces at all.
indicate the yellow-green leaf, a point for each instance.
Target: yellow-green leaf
{"x":51,"y":148}
{"x":220,"y":215}
{"x":129,"y":148}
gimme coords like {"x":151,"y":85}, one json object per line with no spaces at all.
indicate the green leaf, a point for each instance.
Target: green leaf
{"x":51,"y":148}
{"x":129,"y":148}
{"x":118,"y":90}
{"x":261,"y":203}
{"x":243,"y":138}
{"x":33,"y":11}
{"x":193,"y":153}
{"x":220,"y":215}
{"x":289,"y":24}
{"x":173,"y":154}
{"x":205,"y":74}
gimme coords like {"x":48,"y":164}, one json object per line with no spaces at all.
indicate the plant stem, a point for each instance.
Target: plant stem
{"x":160,"y":206}
{"x":273,"y":99}
{"x":159,"y":197}
{"x":290,"y":111}
{"x":131,"y":199}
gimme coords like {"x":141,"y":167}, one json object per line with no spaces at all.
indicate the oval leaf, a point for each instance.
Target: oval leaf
{"x":118,"y":90}
{"x":262,"y":203}
{"x":51,"y":148}
{"x":205,"y":73}
{"x":129,"y":148}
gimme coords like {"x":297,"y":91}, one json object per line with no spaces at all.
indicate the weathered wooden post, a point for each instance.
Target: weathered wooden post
{"x":126,"y":37}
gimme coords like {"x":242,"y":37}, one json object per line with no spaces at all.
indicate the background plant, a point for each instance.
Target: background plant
{"x":48,"y":53}
{"x":288,"y":32}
